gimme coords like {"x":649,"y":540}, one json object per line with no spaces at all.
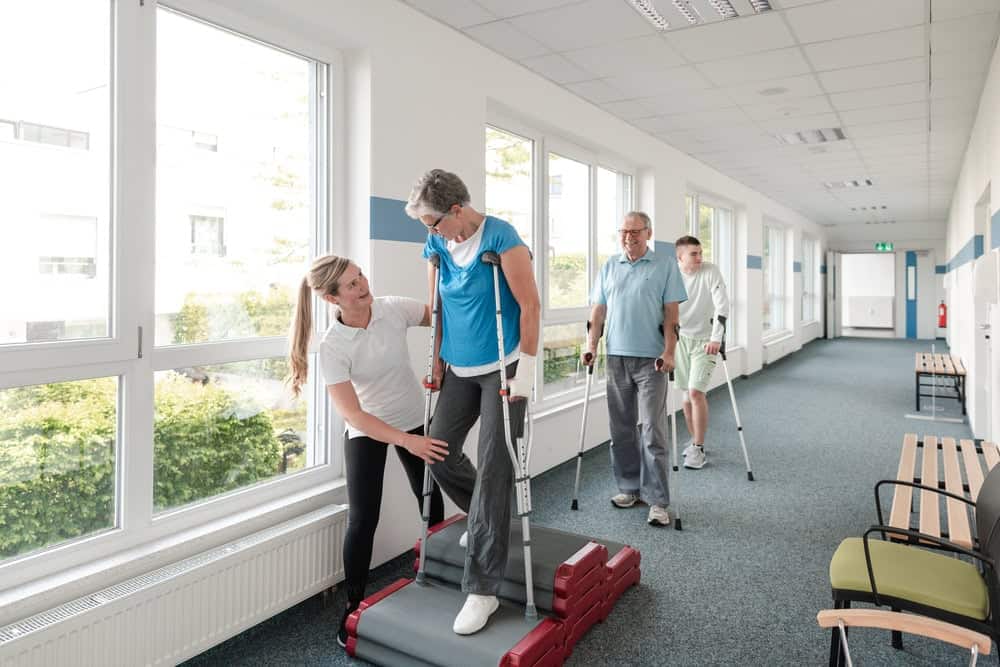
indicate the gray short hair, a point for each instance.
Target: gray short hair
{"x":436,"y":192}
{"x":641,"y":216}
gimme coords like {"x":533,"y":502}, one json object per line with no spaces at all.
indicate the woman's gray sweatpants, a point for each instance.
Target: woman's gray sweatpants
{"x":636,"y":393}
{"x":486,"y":496}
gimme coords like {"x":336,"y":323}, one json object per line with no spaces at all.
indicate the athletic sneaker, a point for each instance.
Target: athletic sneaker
{"x":475,"y":612}
{"x":687,"y":450}
{"x":624,"y":500}
{"x":659,"y":515}
{"x":696,"y":459}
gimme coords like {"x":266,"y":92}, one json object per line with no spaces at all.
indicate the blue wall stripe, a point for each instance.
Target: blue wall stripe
{"x":822,"y":268}
{"x":969,"y":252}
{"x":665,"y":247}
{"x":389,"y":222}
{"x":797,"y":267}
{"x":755,"y":262}
{"x":911,"y":304}
{"x":995,"y":230}
{"x":940,"y":268}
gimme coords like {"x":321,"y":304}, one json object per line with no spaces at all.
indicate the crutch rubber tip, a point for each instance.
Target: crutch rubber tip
{"x":749,"y":475}
{"x":677,"y":524}
{"x":575,"y":505}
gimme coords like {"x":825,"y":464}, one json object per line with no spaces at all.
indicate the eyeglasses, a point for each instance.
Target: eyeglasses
{"x":632,"y":232}
{"x":433,"y":226}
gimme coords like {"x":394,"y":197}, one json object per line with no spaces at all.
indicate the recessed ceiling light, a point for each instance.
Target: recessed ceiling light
{"x":760,"y":5}
{"x":685,"y":8}
{"x":854,"y":183}
{"x":820,"y":136}
{"x":725,"y":9}
{"x":777,"y":90}
{"x":648,"y":11}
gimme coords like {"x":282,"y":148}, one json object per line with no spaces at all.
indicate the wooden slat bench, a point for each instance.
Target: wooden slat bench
{"x":920,"y":463}
{"x":945,"y":371}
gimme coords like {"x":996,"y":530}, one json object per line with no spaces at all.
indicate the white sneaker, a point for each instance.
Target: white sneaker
{"x":696,"y":459}
{"x":624,"y":500}
{"x":463,"y":541}
{"x":659,"y":515}
{"x":687,"y":450}
{"x":475,"y":612}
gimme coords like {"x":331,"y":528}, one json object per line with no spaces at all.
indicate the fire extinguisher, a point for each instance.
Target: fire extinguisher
{"x":942,"y":316}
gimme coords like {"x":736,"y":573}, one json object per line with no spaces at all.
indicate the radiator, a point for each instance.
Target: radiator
{"x":178,"y":611}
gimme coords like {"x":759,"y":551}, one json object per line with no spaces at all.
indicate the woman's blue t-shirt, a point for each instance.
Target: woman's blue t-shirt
{"x":469,"y":336}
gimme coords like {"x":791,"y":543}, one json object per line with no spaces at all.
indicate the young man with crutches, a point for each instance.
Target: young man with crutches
{"x":701,"y":333}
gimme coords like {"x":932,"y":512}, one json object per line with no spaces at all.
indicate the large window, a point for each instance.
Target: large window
{"x":774,"y":279}
{"x":711,"y":222}
{"x":809,"y":296}
{"x":583,"y":201}
{"x":156,"y":269}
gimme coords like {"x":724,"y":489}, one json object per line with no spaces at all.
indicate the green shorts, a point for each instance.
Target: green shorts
{"x":693,"y":367}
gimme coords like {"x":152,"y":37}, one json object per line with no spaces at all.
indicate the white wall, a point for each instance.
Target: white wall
{"x":420,"y":95}
{"x":979,"y":175}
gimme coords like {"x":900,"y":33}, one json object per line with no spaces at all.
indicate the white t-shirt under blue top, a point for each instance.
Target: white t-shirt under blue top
{"x":468,"y":309}
{"x":635,"y":293}
{"x":377,"y":361}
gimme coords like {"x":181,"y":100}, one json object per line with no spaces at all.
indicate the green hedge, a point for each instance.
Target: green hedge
{"x":57,"y":445}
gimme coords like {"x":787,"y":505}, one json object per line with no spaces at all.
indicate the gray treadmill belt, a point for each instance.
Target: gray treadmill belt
{"x":550,"y":548}
{"x":416,"y":621}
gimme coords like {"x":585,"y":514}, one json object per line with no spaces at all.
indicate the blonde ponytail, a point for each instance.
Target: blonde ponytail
{"x":322,"y":278}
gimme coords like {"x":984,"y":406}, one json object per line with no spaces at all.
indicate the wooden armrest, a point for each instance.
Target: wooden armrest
{"x":909,"y":623}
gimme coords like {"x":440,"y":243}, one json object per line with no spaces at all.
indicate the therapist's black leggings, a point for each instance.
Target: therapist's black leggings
{"x":365,"y":462}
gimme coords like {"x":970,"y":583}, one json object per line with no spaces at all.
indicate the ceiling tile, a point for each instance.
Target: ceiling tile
{"x":630,"y":109}
{"x":867,"y":49}
{"x":960,"y":63}
{"x":907,"y":111}
{"x":597,"y":91}
{"x":804,"y":106}
{"x":953,"y":106}
{"x":875,"y":76}
{"x":650,"y":84}
{"x":954,"y":9}
{"x":876,"y":97}
{"x":966,"y":34}
{"x":553,"y":66}
{"x":457,"y":13}
{"x":503,"y":38}
{"x":886,"y":129}
{"x":704,"y":119}
{"x":797,"y":123}
{"x":837,"y":19}
{"x":756,"y":67}
{"x":581,"y":25}
{"x":969,"y":88}
{"x":650,"y":53}
{"x":726,"y":39}
{"x":508,"y":8}
{"x":774,"y":90}
{"x":692,"y":100}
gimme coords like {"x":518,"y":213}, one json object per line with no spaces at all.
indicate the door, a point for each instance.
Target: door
{"x":981,"y":383}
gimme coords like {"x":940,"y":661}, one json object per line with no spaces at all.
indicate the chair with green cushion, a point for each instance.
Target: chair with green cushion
{"x":931,"y":582}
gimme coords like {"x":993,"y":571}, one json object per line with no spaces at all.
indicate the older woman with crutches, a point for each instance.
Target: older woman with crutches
{"x":470,"y":387}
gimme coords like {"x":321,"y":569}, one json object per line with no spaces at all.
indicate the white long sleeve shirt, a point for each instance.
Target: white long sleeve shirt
{"x":707,"y":299}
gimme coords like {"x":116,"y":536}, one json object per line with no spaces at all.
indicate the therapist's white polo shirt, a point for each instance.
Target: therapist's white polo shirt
{"x":377,"y":361}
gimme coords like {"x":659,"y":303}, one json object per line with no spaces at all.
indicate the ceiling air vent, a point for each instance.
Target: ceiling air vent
{"x":819,"y":136}
{"x":760,"y":5}
{"x":869,"y":208}
{"x":856,"y":183}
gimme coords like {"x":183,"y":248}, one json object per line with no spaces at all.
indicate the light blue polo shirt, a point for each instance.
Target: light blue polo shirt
{"x":634,"y":293}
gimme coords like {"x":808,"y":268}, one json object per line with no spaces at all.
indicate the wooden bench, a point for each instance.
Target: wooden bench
{"x":960,"y":469}
{"x":945,"y":371}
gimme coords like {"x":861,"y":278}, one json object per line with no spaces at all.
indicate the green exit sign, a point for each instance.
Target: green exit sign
{"x":884,"y":246}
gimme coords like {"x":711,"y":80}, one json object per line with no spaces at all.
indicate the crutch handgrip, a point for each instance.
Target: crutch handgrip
{"x":429,"y":383}
{"x":722,"y":346}
{"x":490,"y":257}
{"x":434,"y":259}
{"x":659,"y":366}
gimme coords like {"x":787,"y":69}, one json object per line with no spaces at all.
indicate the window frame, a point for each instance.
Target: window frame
{"x":810,"y":268}
{"x":130,"y":355}
{"x":778,"y":268}
{"x":543,"y":144}
{"x":696,"y":198}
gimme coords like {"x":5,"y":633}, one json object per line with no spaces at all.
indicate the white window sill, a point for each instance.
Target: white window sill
{"x":41,"y":594}
{"x":776,"y":337}
{"x":568,"y":401}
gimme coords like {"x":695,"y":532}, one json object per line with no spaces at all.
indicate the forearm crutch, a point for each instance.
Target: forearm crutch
{"x":429,"y":388}
{"x":519,"y":458}
{"x":675,"y":505}
{"x":575,"y":505}
{"x":732,"y":397}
